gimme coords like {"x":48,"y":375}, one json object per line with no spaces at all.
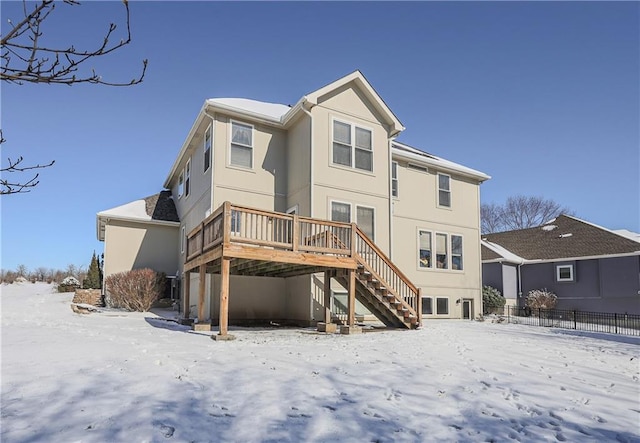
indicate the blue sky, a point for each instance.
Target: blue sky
{"x":542,"y":96}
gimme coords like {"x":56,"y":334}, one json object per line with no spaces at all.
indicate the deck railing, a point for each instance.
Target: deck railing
{"x":269,"y":229}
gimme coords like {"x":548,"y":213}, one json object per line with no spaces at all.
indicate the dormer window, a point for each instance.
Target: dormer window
{"x":352,"y":146}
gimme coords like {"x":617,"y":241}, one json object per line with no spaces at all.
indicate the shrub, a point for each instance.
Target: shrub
{"x":69,"y":284}
{"x":541,"y":299}
{"x":492,"y":300}
{"x":134,"y":290}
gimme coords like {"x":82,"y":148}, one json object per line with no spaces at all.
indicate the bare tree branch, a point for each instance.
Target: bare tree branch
{"x":26,"y":59}
{"x":519,"y":212}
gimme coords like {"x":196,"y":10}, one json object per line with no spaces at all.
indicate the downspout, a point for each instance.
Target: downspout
{"x":310,"y":187}
{"x":390,"y":172}
{"x":310,"y":158}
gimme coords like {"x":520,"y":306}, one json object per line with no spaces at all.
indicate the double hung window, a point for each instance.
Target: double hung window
{"x":352,"y":146}
{"x":444,"y":190}
{"x":241,"y":145}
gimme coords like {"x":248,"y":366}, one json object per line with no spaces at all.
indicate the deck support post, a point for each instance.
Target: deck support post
{"x":187,"y":290}
{"x":327,"y":297}
{"x":352,"y":298}
{"x":224,"y":296}
{"x":201,"y":299}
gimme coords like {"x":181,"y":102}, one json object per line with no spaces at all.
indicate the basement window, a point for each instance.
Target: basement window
{"x":442,"y":306}
{"x":427,"y":306}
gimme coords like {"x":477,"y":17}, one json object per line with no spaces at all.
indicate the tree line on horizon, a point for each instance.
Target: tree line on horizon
{"x":89,"y":277}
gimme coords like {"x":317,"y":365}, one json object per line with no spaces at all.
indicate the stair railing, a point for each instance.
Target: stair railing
{"x":382,"y":268}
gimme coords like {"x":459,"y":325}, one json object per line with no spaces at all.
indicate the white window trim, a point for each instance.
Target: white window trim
{"x":427,"y":297}
{"x":353,"y":147}
{"x":187,"y":178}
{"x":570,"y":279}
{"x":438,"y":191}
{"x":331,"y":202}
{"x":181,"y":179}
{"x":253,"y":145}
{"x":435,"y":308}
{"x":449,"y":242}
{"x":354,"y":217}
{"x":420,"y":267}
{"x":395,"y":179}
{"x":183,"y":239}
{"x":204,"y":148}
{"x":451,"y":252}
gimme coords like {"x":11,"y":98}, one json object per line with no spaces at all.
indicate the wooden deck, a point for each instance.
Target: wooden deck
{"x":239,"y":240}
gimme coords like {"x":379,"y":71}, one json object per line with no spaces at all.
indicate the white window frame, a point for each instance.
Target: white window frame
{"x":436,"y":307}
{"x":181,"y":184}
{"x":355,"y":216}
{"x":205,"y":148}
{"x":447,"y":240}
{"x":440,"y":205}
{"x":353,"y":147}
{"x":571,"y":274}
{"x":231,"y":143}
{"x":331,"y":202}
{"x":425,"y":304}
{"x":394,"y":180}
{"x":183,"y":239}
{"x":451,"y":253}
{"x":187,"y":178}
{"x":430,"y":262}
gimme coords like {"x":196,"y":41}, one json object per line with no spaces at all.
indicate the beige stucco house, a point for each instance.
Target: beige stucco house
{"x":333,"y":156}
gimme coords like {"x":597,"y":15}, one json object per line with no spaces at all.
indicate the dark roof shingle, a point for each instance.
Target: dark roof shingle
{"x":161,"y":207}
{"x":564,"y":237}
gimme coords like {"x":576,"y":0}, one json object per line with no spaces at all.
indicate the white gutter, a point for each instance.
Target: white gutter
{"x":390,"y":184}
{"x":106,"y":218}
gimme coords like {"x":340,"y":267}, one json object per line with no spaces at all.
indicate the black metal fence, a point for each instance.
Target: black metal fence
{"x":611,"y":323}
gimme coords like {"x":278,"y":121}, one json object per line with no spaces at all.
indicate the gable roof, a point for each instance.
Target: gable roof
{"x":565,"y":237}
{"x":155,"y":209}
{"x":358,"y":79}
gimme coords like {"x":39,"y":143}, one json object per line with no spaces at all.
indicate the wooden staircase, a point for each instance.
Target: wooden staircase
{"x":381,"y":287}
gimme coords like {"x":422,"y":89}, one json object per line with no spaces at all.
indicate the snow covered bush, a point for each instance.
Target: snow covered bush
{"x":134,"y":290}
{"x":492,"y":300}
{"x":541,"y":299}
{"x":69,"y":284}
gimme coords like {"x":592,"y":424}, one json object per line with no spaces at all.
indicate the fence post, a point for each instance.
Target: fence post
{"x":539,"y":316}
{"x":575,"y":322}
{"x":615,"y":317}
{"x":508,"y":314}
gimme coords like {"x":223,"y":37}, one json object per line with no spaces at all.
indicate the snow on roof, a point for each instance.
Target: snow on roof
{"x":416,"y":154}
{"x":273,"y":111}
{"x":505,"y":253}
{"x":135,"y":209}
{"x":628,"y":234}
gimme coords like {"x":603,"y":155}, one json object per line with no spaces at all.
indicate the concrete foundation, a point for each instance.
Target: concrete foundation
{"x":327,"y":327}
{"x":347,"y":330}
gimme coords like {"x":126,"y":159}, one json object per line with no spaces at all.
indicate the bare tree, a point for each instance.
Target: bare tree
{"x":22,"y":271}
{"x":41,"y":273}
{"x":27,"y":58}
{"x":71,"y":270}
{"x":519,"y":212}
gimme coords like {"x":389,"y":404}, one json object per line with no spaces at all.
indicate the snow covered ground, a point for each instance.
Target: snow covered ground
{"x":131,"y":377}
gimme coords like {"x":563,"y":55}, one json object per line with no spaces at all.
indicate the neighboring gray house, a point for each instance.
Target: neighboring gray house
{"x":588,"y":267}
